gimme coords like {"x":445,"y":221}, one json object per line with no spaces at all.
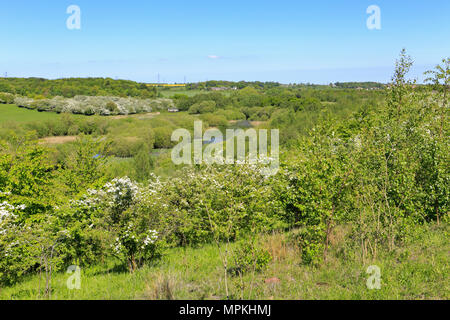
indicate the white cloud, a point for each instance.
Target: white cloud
{"x":213,"y":57}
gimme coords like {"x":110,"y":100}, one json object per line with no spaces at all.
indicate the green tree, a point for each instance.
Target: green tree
{"x":85,"y":165}
{"x":143,"y":163}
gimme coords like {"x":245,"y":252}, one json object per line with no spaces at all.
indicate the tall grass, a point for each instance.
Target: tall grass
{"x":419,"y":270}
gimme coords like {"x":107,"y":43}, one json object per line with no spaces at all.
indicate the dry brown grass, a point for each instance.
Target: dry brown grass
{"x":257,"y":123}
{"x":278,"y":247}
{"x":161,"y":287}
{"x":338,"y":235}
{"x":57,"y":140}
{"x":149,"y":115}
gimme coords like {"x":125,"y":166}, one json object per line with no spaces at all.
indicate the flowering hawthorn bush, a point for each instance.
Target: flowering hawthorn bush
{"x":7,"y":215}
{"x":211,"y":203}
{"x":137,"y":247}
{"x":26,"y":209}
{"x":109,"y":211}
{"x":16,"y":255}
{"x":90,"y":105}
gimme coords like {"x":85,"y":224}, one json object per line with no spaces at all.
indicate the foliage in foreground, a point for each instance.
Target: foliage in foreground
{"x":418,"y":270}
{"x":383,"y":173}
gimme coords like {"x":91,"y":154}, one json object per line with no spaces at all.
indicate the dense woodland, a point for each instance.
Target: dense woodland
{"x":369,"y":166}
{"x":42,"y":88}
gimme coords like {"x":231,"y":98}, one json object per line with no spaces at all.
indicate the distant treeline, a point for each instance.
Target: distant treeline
{"x":231,"y":85}
{"x":362,"y":85}
{"x":71,"y":87}
{"x":269,"y":85}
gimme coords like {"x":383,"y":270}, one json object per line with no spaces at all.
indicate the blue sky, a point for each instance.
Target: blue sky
{"x":319,"y":41}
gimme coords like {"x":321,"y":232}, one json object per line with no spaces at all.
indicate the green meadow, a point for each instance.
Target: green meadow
{"x":9,"y":113}
{"x":420,"y":270}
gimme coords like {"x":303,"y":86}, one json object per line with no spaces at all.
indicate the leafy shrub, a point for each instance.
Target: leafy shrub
{"x":125,"y":147}
{"x":231,"y":114}
{"x":25,"y":202}
{"x":203,"y":107}
{"x":137,"y":248}
{"x":6,"y":98}
{"x":24,"y":102}
{"x":163,"y":138}
{"x":215,"y":203}
{"x":89,"y":111}
{"x":73,"y":130}
{"x":112,"y":107}
{"x":143,"y":163}
{"x":311,"y":242}
{"x":214,"y":120}
{"x":134,"y":243}
{"x":248,"y":257}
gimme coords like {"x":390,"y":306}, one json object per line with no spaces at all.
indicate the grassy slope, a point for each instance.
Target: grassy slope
{"x":10,"y":113}
{"x":420,"y":270}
